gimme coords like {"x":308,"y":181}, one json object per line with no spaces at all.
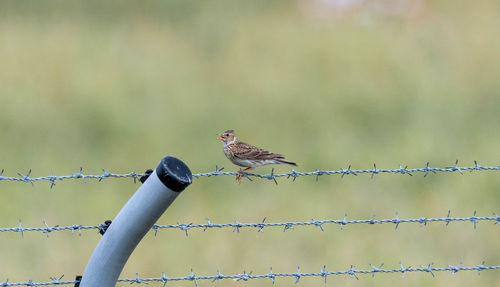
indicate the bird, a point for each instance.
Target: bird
{"x":246,"y":155}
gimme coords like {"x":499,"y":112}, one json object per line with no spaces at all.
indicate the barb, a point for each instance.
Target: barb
{"x":352,"y":272}
{"x":259,"y":226}
{"x":52,"y":179}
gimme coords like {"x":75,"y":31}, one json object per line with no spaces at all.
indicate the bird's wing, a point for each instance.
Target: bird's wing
{"x":245,"y":151}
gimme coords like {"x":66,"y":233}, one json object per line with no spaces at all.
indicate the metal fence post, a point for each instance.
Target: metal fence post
{"x":133,"y":222}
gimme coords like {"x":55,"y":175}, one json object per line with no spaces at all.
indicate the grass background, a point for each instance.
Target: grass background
{"x":119,"y":85}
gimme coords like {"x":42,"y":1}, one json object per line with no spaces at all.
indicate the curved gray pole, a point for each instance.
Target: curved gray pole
{"x":133,"y":222}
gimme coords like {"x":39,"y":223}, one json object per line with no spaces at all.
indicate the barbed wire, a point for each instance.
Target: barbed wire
{"x":236,"y":226}
{"x":352,"y":272}
{"x":79,"y":175}
{"x":348,"y":171}
{"x":52,"y":179}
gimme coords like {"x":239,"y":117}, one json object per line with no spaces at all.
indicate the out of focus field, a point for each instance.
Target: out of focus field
{"x":118,"y":85}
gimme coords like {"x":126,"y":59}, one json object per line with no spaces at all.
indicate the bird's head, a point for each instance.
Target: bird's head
{"x":227,"y":136}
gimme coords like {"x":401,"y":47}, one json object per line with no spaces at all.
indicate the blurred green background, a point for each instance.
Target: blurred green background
{"x":120,"y":84}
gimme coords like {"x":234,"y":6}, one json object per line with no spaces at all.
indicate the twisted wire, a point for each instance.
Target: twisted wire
{"x":236,"y":226}
{"x":52,"y":179}
{"x":349,"y":171}
{"x":352,"y":272}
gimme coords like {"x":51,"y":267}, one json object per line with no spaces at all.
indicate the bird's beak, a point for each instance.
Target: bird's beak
{"x":221,"y":138}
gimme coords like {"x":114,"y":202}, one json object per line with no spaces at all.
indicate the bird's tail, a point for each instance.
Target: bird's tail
{"x":286,"y":162}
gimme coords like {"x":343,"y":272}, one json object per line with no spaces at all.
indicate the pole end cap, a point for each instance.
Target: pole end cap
{"x":174,"y":173}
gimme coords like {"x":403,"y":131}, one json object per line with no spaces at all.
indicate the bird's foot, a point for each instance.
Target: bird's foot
{"x":240,"y":173}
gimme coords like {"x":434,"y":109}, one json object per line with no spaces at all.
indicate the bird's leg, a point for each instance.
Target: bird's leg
{"x":238,"y":176}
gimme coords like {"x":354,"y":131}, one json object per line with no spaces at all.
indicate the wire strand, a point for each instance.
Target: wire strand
{"x":52,"y":179}
{"x":352,"y":272}
{"x":236,"y":226}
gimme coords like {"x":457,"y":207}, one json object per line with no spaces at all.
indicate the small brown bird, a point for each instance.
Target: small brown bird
{"x":246,"y":155}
